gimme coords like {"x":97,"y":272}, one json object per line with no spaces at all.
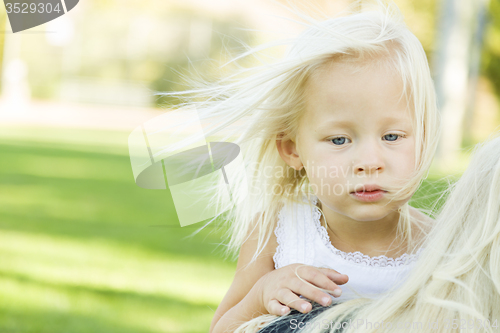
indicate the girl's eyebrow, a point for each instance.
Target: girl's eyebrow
{"x":347,"y":123}
{"x":336,"y":123}
{"x":395,"y":120}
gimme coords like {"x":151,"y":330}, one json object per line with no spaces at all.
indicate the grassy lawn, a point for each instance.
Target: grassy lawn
{"x":84,"y":249}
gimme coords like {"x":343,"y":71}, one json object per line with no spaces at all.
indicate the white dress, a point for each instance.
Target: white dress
{"x":304,"y":240}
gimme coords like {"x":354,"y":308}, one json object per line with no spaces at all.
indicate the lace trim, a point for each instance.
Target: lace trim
{"x":358,"y":257}
{"x":309,"y":251}
{"x":279,"y":231}
{"x":293,"y":244}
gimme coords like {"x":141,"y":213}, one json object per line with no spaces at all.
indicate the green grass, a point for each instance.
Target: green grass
{"x":84,"y":249}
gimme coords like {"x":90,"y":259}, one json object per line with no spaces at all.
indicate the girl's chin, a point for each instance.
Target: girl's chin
{"x":361,"y":211}
{"x":365,"y":214}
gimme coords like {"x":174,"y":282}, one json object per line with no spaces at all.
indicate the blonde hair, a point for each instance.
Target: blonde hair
{"x":456,"y":280}
{"x":269,"y":100}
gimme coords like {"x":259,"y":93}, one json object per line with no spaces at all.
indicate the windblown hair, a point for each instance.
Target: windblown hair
{"x":455,"y":282}
{"x":269,"y":100}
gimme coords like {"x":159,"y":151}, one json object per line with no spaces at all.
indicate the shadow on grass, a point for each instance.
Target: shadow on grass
{"x":160,"y":240}
{"x":44,"y":321}
{"x":115,"y":303}
{"x":76,"y":204}
{"x":170,"y":303}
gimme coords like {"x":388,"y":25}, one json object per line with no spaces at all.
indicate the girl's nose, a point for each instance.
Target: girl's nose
{"x":369,"y":161}
{"x":369,"y":168}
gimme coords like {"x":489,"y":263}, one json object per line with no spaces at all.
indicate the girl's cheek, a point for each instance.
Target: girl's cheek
{"x":408,"y":162}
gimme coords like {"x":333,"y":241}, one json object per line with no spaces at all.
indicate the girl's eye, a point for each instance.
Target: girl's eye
{"x":339,"y":141}
{"x":391,"y":137}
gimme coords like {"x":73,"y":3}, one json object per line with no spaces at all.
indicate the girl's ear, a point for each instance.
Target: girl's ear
{"x":287,"y":149}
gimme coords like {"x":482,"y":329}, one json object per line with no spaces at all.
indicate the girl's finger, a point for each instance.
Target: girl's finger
{"x":320,"y":296}
{"x":314,"y":285}
{"x":277,"y":309}
{"x":335,"y":276}
{"x":292,"y":300}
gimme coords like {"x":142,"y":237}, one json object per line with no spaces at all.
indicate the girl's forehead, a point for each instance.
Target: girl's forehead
{"x":340,"y":72}
{"x":339,"y":92}
{"x":340,"y":85}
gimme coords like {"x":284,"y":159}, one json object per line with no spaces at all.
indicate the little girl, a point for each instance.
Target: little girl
{"x":455,"y":284}
{"x":336,"y":138}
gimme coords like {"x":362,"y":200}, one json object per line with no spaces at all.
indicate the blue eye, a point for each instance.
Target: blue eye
{"x":339,"y":141}
{"x":391,"y":137}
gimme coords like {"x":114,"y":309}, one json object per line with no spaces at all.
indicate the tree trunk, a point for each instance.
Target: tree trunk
{"x":451,"y":71}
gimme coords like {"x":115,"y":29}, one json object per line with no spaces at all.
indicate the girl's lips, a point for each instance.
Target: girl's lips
{"x":369,"y":196}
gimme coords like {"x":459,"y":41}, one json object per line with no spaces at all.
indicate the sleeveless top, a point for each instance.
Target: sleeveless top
{"x":302,"y":239}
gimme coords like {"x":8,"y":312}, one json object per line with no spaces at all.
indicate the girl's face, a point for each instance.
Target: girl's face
{"x":356,"y":134}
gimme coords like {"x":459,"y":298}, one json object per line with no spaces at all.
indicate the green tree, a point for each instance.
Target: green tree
{"x":491,"y":51}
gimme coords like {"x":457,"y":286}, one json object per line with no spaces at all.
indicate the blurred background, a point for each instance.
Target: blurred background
{"x":82,"y":247}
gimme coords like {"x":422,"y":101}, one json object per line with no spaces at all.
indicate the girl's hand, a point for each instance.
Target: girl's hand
{"x":279,"y":289}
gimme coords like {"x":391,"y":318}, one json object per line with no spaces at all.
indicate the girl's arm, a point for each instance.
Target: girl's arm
{"x":238,"y":303}
{"x":248,"y":308}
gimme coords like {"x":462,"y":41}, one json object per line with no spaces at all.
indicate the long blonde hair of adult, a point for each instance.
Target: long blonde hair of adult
{"x":268,"y":100}
{"x":456,"y":280}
